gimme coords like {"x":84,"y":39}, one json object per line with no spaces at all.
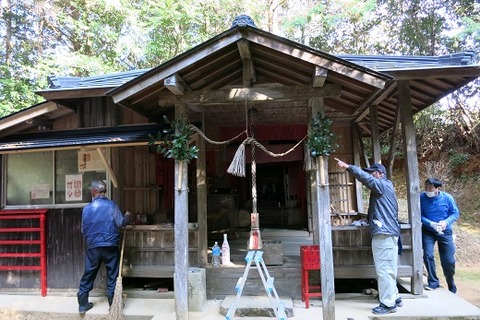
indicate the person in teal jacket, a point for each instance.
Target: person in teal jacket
{"x":438,"y":211}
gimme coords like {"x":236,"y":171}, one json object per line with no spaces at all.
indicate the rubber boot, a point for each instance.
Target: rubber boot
{"x":83,"y":304}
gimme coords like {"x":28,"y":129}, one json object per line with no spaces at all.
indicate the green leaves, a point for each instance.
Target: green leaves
{"x":174,"y":142}
{"x":321,"y":140}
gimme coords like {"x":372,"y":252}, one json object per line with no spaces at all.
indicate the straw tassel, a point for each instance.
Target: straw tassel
{"x":237,"y":167}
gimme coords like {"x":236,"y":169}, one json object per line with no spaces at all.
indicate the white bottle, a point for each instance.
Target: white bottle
{"x":225,"y":250}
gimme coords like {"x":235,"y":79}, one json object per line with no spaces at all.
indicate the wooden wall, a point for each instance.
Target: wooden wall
{"x":140,"y":192}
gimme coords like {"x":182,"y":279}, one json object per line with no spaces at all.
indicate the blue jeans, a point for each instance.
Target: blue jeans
{"x":446,"y":250}
{"x":94,"y":258}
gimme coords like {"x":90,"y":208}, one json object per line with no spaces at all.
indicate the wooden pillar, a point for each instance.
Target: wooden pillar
{"x":356,"y":138}
{"x":316,"y":105}
{"x":377,"y":157}
{"x":312,"y":180}
{"x":202,"y":203}
{"x":321,"y":215}
{"x":181,"y":233}
{"x":325,"y":234}
{"x":413,"y":190}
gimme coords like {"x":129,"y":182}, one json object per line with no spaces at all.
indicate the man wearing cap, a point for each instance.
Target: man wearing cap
{"x":439,"y":211}
{"x":101,"y":220}
{"x":384,"y":230}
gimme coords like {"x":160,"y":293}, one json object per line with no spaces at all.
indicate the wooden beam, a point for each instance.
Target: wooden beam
{"x":357,"y":147}
{"x":319,"y":76}
{"x":375,"y":134}
{"x":393,"y":142}
{"x":110,"y":171}
{"x":249,"y":76}
{"x":363,"y":151}
{"x":413,"y":186}
{"x":256,"y":94}
{"x":371,"y":78}
{"x":176,"y":85}
{"x":364,"y":127}
{"x":152,"y":78}
{"x":362,"y":110}
{"x":202,"y":191}
{"x":27,"y":114}
{"x":74,"y":93}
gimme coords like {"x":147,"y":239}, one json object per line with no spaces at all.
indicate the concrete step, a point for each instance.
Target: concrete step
{"x":255,"y":306}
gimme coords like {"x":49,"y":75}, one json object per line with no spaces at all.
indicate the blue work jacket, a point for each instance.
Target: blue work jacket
{"x":101,"y":220}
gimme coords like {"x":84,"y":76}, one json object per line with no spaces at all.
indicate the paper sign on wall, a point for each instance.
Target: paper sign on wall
{"x":40,"y":191}
{"x":89,"y":161}
{"x":73,"y":187}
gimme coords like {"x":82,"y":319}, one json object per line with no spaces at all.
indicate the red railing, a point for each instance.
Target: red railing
{"x":34,"y":214}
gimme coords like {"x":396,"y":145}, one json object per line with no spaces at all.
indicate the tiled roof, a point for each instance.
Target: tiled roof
{"x":390,"y":63}
{"x":110,"y":80}
{"x":383,"y":63}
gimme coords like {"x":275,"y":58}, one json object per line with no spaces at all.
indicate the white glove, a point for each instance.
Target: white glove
{"x":437,"y":226}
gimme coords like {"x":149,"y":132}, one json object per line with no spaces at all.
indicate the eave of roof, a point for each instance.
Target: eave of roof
{"x":231,"y":36}
{"x":387,"y":63}
{"x":116,"y":136}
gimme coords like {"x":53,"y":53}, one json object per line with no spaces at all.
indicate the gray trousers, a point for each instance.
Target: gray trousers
{"x":385,"y":257}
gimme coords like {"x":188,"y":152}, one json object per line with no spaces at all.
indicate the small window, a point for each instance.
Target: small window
{"x":46,"y":179}
{"x":29,"y":178}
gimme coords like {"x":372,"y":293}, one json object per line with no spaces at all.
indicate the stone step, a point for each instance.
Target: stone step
{"x":255,"y":306}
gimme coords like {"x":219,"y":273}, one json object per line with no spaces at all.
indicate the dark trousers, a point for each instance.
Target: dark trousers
{"x":446,"y":250}
{"x":94,"y":258}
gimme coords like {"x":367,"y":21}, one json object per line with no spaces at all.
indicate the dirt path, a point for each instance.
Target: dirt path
{"x":467,"y":275}
{"x":468,"y":283}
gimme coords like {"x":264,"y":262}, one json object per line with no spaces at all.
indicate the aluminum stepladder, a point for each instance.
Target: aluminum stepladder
{"x":277,"y":305}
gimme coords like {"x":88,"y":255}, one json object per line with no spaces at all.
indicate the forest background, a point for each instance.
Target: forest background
{"x":40,"y":38}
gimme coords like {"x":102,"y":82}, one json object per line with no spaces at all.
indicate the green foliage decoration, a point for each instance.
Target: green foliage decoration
{"x":321,"y":140}
{"x":173,"y":142}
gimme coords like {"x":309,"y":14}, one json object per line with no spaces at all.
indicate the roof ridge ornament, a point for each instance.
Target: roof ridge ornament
{"x":243,"y":20}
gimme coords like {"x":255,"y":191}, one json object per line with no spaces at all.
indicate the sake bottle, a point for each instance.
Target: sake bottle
{"x":225,"y":250}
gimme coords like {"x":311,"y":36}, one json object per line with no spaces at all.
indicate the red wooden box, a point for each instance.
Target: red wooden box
{"x":310,"y":257}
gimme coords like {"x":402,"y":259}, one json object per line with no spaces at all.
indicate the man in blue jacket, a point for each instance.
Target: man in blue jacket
{"x":384,"y":230}
{"x":439,"y":211}
{"x":101,"y":220}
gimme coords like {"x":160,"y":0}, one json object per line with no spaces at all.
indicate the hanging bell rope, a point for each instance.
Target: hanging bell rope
{"x":237,"y":166}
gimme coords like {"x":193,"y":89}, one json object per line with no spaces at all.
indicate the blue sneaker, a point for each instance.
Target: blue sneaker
{"x":383,"y":309}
